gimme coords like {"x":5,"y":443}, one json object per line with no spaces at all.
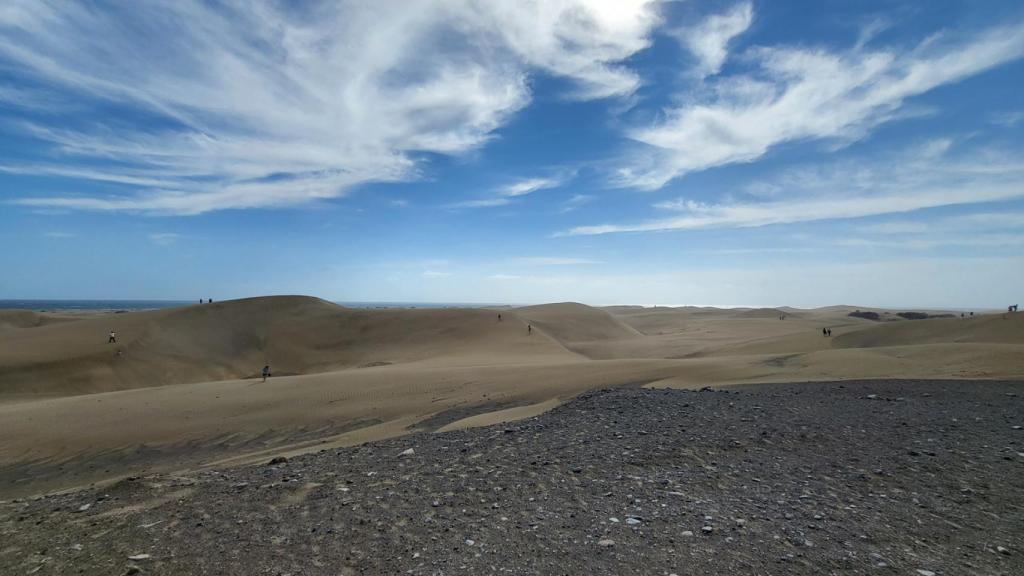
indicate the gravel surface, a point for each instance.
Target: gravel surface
{"x":880,"y":477}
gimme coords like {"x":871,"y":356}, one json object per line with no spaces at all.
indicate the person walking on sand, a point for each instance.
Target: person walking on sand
{"x":266,"y":373}
{"x":113,"y":338}
{"x":499,"y":317}
{"x":529,"y":329}
{"x":824,"y":331}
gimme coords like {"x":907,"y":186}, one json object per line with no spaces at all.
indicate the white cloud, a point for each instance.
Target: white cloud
{"x":805,"y":94}
{"x":923,"y":178}
{"x":435,"y":274}
{"x":530,"y":186}
{"x":164,"y":238}
{"x":938,"y":241}
{"x":258,"y":106}
{"x":709,"y":40}
{"x":1008,"y":119}
{"x":576,"y":201}
{"x":482,"y":203}
{"x":505,"y":194}
{"x":900,"y":227}
{"x":551,"y":261}
{"x":978,"y":221}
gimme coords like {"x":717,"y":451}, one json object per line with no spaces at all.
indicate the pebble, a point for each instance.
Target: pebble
{"x":707,"y":529}
{"x":139,"y":557}
{"x":1002,"y":550}
{"x":632,"y":521}
{"x":408,"y":452}
{"x":606,"y":543}
{"x":925,"y":572}
{"x":613,"y":519}
{"x":470,"y":542}
{"x":687,"y":534}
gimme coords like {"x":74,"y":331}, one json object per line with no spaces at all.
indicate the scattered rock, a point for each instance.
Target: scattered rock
{"x":277,"y":460}
{"x":407,"y":452}
{"x":756,"y":508}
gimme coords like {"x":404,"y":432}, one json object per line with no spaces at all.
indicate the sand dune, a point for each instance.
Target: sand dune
{"x":992,"y":328}
{"x":572,"y":323}
{"x":14,"y":319}
{"x":294,"y":335}
{"x":178,"y":389}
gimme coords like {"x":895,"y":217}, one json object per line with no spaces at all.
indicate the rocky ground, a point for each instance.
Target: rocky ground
{"x":886,"y":477}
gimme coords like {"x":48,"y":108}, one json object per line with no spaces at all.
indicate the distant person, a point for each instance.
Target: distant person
{"x":824,"y":331}
{"x":113,"y":338}
{"x":209,"y":301}
{"x":830,"y":332}
{"x":266,"y":373}
{"x":499,"y":317}
{"x":529,"y":329}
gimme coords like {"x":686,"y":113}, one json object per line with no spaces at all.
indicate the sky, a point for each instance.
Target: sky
{"x":733,"y":153}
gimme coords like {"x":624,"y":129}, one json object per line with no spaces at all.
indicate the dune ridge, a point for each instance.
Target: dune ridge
{"x":180,"y":388}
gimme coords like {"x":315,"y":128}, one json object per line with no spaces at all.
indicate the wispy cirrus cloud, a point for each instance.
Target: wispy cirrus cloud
{"x":164,"y":238}
{"x":263,"y":104}
{"x":1007,"y":119}
{"x":926,"y":177}
{"x":551,"y":261}
{"x":506,"y":194}
{"x":435,"y":274}
{"x":576,"y":201}
{"x":709,"y":40}
{"x":800,"y":94}
{"x":976,"y":221}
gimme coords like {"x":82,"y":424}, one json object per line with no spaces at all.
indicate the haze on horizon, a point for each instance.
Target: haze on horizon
{"x":606,"y":152}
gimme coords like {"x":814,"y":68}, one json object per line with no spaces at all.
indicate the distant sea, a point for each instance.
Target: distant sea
{"x":75,"y":305}
{"x":83,"y":305}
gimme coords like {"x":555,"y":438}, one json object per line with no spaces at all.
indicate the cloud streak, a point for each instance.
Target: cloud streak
{"x":928,"y":177}
{"x":505,"y":195}
{"x":224,"y":106}
{"x":799,"y":94}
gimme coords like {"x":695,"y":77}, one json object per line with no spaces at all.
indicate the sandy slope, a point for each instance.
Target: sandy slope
{"x":13,"y":319}
{"x":295,"y":335}
{"x":178,"y":389}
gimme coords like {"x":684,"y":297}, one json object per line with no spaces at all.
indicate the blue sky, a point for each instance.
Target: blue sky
{"x":723,"y":153}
